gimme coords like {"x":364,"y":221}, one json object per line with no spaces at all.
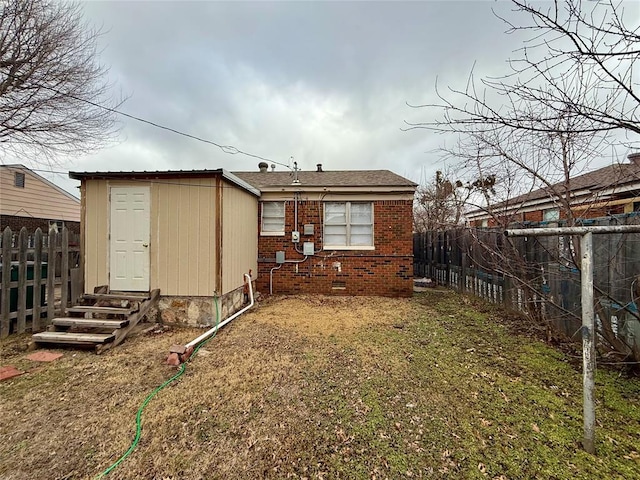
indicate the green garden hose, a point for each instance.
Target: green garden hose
{"x":183,"y":367}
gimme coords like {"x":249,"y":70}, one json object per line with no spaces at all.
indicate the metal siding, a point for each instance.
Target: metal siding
{"x":184,"y":235}
{"x":239,"y":237}
{"x":96,"y":228}
{"x":205,"y":205}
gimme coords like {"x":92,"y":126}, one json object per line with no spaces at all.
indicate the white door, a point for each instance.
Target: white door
{"x":129,"y":239}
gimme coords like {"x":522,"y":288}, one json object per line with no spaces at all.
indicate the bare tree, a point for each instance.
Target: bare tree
{"x":441,"y":204}
{"x":569,"y":87}
{"x":523,"y":162}
{"x":577,"y":64}
{"x":438,"y":204}
{"x":52,"y":88}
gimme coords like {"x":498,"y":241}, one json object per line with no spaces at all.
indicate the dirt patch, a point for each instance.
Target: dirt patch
{"x":327,"y":316}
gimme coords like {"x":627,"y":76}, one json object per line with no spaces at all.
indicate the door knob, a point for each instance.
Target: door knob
{"x":145,"y":244}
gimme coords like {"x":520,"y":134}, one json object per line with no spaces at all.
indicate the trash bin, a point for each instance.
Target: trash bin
{"x":13,"y":293}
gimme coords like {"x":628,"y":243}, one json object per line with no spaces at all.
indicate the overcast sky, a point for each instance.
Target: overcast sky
{"x":320,"y":82}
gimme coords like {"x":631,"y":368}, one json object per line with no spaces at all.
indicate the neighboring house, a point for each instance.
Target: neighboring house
{"x":31,"y":201}
{"x":334,"y":232}
{"x":610,"y":190}
{"x":191,"y":234}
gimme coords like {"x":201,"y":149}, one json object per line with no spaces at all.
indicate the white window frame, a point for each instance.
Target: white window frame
{"x":348,"y":225}
{"x":273,"y":233}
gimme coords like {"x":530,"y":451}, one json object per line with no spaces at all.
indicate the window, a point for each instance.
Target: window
{"x":348,"y":225}
{"x":57,"y":225}
{"x":272,"y":218}
{"x":19,"y":179}
{"x":551,"y":215}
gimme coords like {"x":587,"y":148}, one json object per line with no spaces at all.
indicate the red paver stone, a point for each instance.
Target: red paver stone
{"x":9,"y":372}
{"x":44,"y":356}
{"x":173,"y":359}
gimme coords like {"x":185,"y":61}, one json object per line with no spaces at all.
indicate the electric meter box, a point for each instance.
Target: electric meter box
{"x":307,"y":248}
{"x":280,"y":256}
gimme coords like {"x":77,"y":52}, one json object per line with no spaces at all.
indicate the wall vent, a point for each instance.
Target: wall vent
{"x":338,"y":285}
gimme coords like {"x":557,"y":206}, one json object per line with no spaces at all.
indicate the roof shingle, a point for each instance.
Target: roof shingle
{"x":335,"y":178}
{"x":606,"y":177}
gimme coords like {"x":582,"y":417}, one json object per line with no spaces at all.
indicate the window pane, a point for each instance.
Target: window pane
{"x":361,"y":235}
{"x":273,"y":225}
{"x":361,"y":240}
{"x":272,"y":209}
{"x":360,"y":229}
{"x":335,"y":230}
{"x":335,"y":213}
{"x":361,"y":213}
{"x":273,"y":217}
{"x":552,"y":214}
{"x":337,"y":240}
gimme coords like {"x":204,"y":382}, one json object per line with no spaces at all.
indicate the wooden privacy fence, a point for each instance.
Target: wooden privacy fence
{"x":539,"y":276}
{"x":39,"y":277}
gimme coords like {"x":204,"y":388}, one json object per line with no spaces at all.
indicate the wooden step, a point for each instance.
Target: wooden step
{"x":93,"y":309}
{"x":117,"y":296}
{"x":73,"y":338}
{"x":89,"y":323}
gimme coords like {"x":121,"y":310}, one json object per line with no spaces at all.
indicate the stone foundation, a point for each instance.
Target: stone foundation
{"x":197,"y":311}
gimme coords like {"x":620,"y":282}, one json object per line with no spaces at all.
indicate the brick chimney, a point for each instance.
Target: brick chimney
{"x":264,"y":167}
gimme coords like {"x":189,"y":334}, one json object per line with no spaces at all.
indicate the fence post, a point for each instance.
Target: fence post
{"x":22,"y":280}
{"x":5,"y":323}
{"x":37,"y":282}
{"x":588,"y":343}
{"x":64,"y":272}
{"x":51,"y":273}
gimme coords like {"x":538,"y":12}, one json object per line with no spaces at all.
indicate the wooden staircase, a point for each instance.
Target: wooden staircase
{"x":101,"y":321}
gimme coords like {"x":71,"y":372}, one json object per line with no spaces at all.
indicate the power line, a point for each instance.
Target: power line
{"x":228,"y":149}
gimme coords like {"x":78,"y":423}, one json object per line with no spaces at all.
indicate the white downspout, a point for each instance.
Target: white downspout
{"x":213,"y":330}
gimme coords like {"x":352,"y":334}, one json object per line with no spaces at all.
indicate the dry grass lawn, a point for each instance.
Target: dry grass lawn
{"x":320,"y":387}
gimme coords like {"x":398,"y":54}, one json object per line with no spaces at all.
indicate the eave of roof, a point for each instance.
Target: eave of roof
{"x":160,"y":174}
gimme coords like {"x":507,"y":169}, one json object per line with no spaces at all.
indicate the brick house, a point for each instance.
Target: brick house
{"x":611,"y":190}
{"x":31,"y":201}
{"x":193,"y":234}
{"x":334,"y":232}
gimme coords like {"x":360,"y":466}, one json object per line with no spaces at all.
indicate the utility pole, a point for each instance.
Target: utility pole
{"x":588,"y":323}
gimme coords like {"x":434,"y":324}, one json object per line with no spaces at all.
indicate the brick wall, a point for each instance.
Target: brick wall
{"x":387,"y":270}
{"x":32,"y":224}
